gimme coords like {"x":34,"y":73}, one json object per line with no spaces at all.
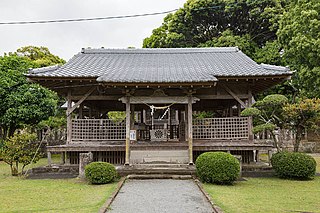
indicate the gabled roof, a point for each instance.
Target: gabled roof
{"x":160,"y":65}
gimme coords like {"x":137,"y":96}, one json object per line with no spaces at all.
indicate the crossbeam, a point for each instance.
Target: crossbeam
{"x":234,"y":95}
{"x":159,"y":100}
{"x":69,"y":111}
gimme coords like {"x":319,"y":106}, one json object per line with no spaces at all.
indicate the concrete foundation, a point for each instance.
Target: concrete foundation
{"x":164,"y":156}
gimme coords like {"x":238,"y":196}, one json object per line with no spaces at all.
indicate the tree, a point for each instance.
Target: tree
{"x":249,"y":24}
{"x":200,"y":21}
{"x":20,"y":149}
{"x":298,"y":34}
{"x":268,"y":115}
{"x":228,"y":39}
{"x":27,"y":104}
{"x":302,"y":116}
{"x":40,"y":56}
{"x":22,"y":102}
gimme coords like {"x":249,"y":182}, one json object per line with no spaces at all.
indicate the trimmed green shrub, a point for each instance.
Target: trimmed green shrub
{"x":100,"y":173}
{"x":294,"y":165}
{"x":217,"y":167}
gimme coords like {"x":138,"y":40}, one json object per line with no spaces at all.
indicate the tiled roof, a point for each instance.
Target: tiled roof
{"x":160,"y":65}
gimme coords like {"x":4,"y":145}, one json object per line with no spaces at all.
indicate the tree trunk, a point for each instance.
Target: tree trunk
{"x":22,"y":169}
{"x":298,"y":139}
{"x":14,"y":169}
{"x":4,"y":133}
{"x":275,"y":142}
{"x":11,"y":131}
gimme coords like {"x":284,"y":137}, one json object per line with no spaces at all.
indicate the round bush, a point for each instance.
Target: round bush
{"x":217,"y":167}
{"x":294,"y":165}
{"x":100,"y":172}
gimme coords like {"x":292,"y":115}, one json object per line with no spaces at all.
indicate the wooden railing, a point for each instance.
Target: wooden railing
{"x":97,"y":129}
{"x":207,"y":128}
{"x":144,"y":133}
{"x":221,"y":128}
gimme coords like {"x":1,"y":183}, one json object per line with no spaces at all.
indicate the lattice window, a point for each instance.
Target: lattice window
{"x":221,"y":128}
{"x":97,"y":129}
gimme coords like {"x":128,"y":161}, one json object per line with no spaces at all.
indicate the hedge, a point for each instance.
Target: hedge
{"x":217,"y":167}
{"x":100,"y":173}
{"x":294,"y":165}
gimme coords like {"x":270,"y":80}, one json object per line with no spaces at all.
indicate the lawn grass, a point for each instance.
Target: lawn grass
{"x":318,"y":163}
{"x":268,"y":195}
{"x":18,"y":194}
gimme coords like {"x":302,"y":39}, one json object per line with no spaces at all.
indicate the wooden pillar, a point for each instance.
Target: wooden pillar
{"x":90,"y":112}
{"x":186,"y":122}
{"x":250,"y":127}
{"x":257,"y":156}
{"x":230,"y":111}
{"x":269,"y":156}
{"x":81,"y":111}
{"x":128,"y":122}
{"x":63,"y":158}
{"x":132,"y":114}
{"x":180,"y":123}
{"x":190,"y":136}
{"x":67,"y":158}
{"x":144,"y":118}
{"x":69,"y":117}
{"x":239,"y":109}
{"x":177,"y":116}
{"x":250,"y":99}
{"x":141,"y":116}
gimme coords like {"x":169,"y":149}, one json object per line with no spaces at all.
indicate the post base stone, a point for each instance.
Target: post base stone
{"x":84,"y":159}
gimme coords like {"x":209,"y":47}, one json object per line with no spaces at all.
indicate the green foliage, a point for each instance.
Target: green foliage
{"x":217,"y":167}
{"x":228,"y":39}
{"x":302,"y":116}
{"x":100,"y":173}
{"x":40,"y":56}
{"x":250,"y":111}
{"x":264,"y":127}
{"x":53,"y":122}
{"x":251,"y":25}
{"x":298,"y":33}
{"x":200,"y":21}
{"x":20,"y":149}
{"x":269,"y":53}
{"x":272,"y":101}
{"x":294,"y":165}
{"x":117,"y":116}
{"x":24,"y":103}
{"x":267,"y":114}
{"x":203,"y":114}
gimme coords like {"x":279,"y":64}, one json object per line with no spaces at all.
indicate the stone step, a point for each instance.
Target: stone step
{"x":162,"y":164}
{"x":126,"y":170}
{"x":160,"y":176}
{"x":52,"y":175}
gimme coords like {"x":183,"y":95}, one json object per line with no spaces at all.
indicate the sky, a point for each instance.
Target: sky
{"x":67,"y":39}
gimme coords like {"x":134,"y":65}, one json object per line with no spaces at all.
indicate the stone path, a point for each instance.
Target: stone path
{"x":160,"y":195}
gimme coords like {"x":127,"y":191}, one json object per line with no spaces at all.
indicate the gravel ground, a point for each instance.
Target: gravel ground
{"x":160,"y":195}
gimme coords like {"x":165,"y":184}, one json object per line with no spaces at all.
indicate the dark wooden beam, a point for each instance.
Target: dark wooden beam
{"x":69,"y":111}
{"x":234,"y":95}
